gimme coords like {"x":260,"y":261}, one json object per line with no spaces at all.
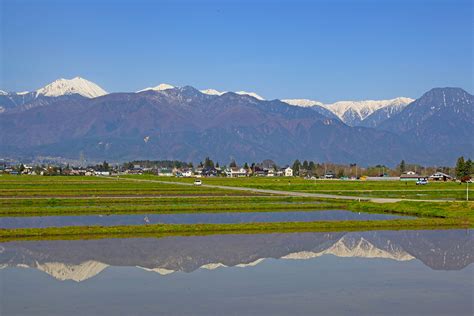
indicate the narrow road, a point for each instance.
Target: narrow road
{"x":287,"y":193}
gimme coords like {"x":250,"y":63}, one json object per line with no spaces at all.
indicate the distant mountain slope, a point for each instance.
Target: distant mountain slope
{"x":183,"y":123}
{"x":381,"y":115}
{"x":187,"y":124}
{"x":441,"y":103}
{"x":11,"y":100}
{"x":442,"y":119}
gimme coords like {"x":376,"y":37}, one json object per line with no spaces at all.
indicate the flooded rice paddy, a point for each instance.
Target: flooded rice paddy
{"x":191,"y":218}
{"x":426,"y":272}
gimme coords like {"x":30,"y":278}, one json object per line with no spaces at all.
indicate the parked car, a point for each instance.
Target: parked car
{"x":421,"y":182}
{"x":197,"y":182}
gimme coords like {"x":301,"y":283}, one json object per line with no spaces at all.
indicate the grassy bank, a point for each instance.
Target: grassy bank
{"x":159,"y":230}
{"x":111,"y":209}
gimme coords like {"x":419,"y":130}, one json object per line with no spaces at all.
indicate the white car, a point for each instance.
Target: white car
{"x":197,"y":182}
{"x":421,"y":182}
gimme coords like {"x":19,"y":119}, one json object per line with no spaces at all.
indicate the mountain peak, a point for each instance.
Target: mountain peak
{"x":452,"y":106}
{"x":76,"y":85}
{"x":212,"y":92}
{"x":160,"y":87}
{"x":447,"y":91}
{"x":252,"y":94}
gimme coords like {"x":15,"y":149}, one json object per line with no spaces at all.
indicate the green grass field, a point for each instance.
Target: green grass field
{"x":382,"y":189}
{"x":45,"y":196}
{"x":62,"y":186}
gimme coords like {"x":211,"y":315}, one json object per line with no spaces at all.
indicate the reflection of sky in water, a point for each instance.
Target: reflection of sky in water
{"x":386,"y":272}
{"x":231,"y":217}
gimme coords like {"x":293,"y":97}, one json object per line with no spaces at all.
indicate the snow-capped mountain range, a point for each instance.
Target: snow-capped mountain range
{"x":81,"y":260}
{"x":165,"y":86}
{"x":220,"y":122}
{"x":353,"y":113}
{"x":345,"y":247}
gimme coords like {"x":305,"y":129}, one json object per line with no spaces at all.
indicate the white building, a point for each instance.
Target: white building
{"x":102,"y":173}
{"x":187,"y":173}
{"x":288,"y":172}
{"x":440,"y":176}
{"x":236,"y":172}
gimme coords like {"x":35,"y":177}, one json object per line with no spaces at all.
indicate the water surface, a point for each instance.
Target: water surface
{"x":194,"y":218}
{"x":384,"y":272}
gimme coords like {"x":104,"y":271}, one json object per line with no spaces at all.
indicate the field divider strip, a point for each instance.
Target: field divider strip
{"x":291,"y":193}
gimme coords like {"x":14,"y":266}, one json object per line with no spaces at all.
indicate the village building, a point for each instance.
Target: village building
{"x":187,"y":173}
{"x":440,"y":176}
{"x":259,"y":172}
{"x":210,"y":172}
{"x":236,"y":172}
{"x":102,"y":173}
{"x":134,"y":171}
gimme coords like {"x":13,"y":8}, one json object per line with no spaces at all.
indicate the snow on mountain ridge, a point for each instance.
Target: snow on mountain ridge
{"x":302,"y":102}
{"x":212,"y":92}
{"x":77,"y":273}
{"x":160,"y":87}
{"x":252,"y":94}
{"x":366,"y":107}
{"x":75,"y":85}
{"x":216,"y":92}
{"x":353,"y":112}
{"x":343,"y":248}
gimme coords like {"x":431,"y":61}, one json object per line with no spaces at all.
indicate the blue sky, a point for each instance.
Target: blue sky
{"x":322,"y":50}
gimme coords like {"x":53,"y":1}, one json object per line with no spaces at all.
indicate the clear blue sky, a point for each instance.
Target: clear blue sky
{"x":323,"y":50}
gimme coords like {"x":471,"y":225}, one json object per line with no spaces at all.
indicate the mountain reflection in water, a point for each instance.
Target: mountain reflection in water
{"x":79,"y":260}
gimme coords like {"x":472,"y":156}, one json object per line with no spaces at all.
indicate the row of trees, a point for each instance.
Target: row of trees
{"x":158,"y":164}
{"x":464,"y":168}
{"x":311,"y":168}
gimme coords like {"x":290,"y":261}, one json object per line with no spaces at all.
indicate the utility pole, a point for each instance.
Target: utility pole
{"x":467,"y":191}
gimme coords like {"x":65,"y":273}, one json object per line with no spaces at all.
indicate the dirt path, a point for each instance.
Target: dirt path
{"x":279,"y":192}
